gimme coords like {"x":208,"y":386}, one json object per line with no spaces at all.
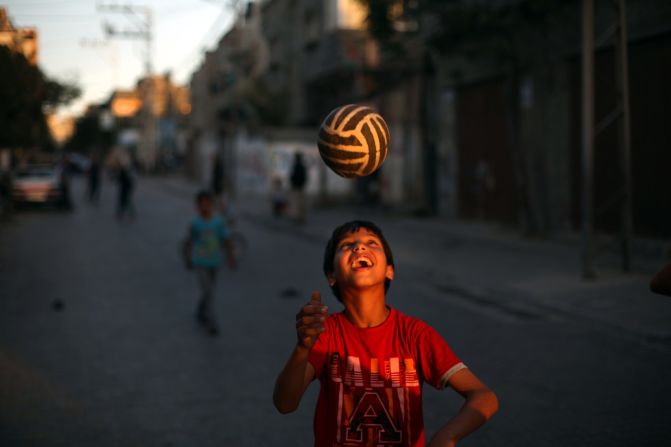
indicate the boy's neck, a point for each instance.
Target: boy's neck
{"x":364,"y":310}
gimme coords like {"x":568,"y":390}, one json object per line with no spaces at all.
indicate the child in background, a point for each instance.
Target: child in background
{"x":372,"y":360}
{"x":207,"y":237}
{"x":278,"y":197}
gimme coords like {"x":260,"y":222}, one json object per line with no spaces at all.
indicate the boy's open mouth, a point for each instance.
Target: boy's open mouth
{"x":361,"y":262}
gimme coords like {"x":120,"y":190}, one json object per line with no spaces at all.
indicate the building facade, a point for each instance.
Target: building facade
{"x":22,"y":40}
{"x":479,"y":134}
{"x":161,"y":121}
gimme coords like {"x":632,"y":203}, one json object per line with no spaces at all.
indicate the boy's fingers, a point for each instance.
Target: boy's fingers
{"x":310,"y":320}
{"x":313,"y":332}
{"x":313,"y":308}
{"x":306,"y":320}
{"x":316,"y":301}
{"x":310,"y":327}
{"x":310,"y":331}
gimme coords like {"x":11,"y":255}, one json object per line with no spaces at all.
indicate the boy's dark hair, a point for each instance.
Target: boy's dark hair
{"x":204,"y":194}
{"x":336,"y":237}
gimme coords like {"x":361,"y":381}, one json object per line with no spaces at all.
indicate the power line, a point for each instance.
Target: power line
{"x":142,"y":31}
{"x":46,"y":14}
{"x":198,"y":47}
{"x":45,"y":3}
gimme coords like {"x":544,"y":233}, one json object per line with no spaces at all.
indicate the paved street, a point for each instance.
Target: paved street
{"x":123,"y":363}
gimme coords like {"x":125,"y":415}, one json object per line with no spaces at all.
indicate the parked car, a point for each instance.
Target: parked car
{"x":37,"y":184}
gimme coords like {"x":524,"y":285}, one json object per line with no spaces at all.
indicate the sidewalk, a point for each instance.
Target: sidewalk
{"x":497,"y":268}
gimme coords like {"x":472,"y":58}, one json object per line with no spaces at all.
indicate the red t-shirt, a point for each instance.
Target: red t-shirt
{"x":371,"y":380}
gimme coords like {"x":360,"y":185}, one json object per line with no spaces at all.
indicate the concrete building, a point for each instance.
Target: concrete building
{"x":494,"y":136}
{"x":227,"y":96}
{"x":510,"y":136}
{"x":321,"y":57}
{"x":160,"y":120}
{"x":254,"y":103}
{"x":319,"y":52}
{"x":21,"y":40}
{"x":149,"y":122}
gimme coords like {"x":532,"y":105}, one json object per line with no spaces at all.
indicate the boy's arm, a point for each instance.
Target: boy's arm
{"x":230,"y":253}
{"x":298,"y":372}
{"x":227,"y":245}
{"x":293,"y":380}
{"x":481,"y":404}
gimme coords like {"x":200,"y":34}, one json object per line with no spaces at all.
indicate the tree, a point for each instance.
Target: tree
{"x":26,"y":95}
{"x":58,"y":93}
{"x":89,"y":135}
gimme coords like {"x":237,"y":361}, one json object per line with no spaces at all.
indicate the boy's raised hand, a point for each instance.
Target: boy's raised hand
{"x":310,"y":321}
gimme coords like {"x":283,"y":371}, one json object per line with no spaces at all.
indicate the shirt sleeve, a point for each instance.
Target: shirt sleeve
{"x":439,"y":362}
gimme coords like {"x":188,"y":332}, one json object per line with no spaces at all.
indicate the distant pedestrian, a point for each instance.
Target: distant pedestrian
{"x":218,"y":174}
{"x":64,"y":171}
{"x":298,"y":179}
{"x":120,"y":164}
{"x":217,"y":184}
{"x":93,"y":177}
{"x":207,"y":237}
{"x":278,"y":197}
{"x":126,"y":184}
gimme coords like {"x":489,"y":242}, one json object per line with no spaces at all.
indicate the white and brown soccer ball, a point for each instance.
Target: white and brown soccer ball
{"x":353,"y":141}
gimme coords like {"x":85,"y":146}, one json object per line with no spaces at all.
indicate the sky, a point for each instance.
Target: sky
{"x":73,"y":45}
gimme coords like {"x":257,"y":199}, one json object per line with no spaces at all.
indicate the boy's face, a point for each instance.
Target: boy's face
{"x":205,"y":207}
{"x":360,"y":262}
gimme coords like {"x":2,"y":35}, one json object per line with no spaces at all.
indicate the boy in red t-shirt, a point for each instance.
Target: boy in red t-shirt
{"x":372,"y":360}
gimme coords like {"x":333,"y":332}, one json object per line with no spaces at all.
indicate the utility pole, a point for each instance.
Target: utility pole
{"x":622,"y":76}
{"x":587,"y":138}
{"x":617,"y":32}
{"x":141,"y":17}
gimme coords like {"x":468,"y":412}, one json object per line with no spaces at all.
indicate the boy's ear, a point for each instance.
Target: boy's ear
{"x":390,"y":272}
{"x":330,"y":277}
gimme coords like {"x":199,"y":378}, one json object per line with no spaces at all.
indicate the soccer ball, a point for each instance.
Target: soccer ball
{"x":353,"y":141}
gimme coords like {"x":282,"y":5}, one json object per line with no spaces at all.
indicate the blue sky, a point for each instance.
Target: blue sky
{"x":73,"y":46}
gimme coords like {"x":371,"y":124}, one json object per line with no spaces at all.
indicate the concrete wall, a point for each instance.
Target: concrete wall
{"x":259,"y":159}
{"x":447,"y":154}
{"x":402,"y":173}
{"x":545,"y":137}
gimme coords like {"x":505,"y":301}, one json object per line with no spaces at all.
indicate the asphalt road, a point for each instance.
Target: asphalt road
{"x":99,"y":345}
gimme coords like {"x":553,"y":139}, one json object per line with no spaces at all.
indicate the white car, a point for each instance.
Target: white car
{"x":37,"y":184}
